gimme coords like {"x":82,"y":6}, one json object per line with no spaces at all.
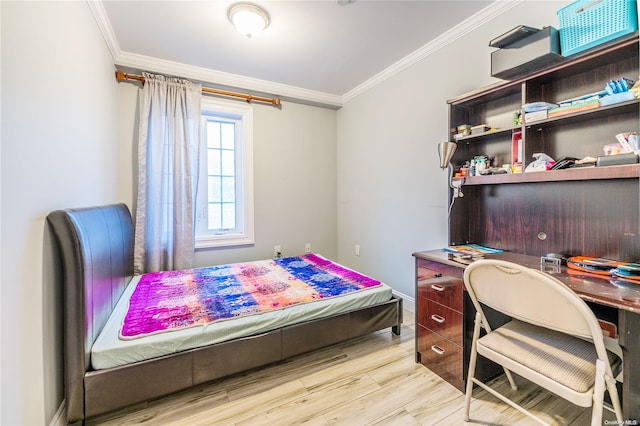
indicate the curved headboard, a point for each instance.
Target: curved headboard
{"x":96,"y":250}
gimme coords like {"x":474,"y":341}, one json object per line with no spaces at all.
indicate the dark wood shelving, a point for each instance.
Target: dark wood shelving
{"x":479,"y":96}
{"x":591,"y":211}
{"x":604,"y":111}
{"x":484,"y":135}
{"x":626,"y":171}
{"x":585,"y":210}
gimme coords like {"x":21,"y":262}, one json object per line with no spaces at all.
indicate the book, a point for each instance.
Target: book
{"x":471,"y":250}
{"x":573,"y":108}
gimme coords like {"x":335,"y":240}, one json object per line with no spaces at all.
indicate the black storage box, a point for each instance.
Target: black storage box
{"x":614,"y":160}
{"x":526,"y":55}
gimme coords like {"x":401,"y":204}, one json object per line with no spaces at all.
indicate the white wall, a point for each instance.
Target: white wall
{"x":58,"y":106}
{"x":391,"y":192}
{"x":294,"y":178}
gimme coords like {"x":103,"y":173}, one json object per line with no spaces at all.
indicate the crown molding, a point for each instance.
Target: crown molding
{"x":100,"y":15}
{"x":222,"y":79}
{"x":225,"y":80}
{"x":482,"y":17}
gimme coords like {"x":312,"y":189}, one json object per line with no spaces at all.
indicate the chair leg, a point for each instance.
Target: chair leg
{"x":472,"y":368}
{"x":615,"y":398}
{"x":512,"y":382}
{"x":598,"y":395}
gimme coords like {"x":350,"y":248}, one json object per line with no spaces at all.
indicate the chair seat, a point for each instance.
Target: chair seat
{"x":577,"y":369}
{"x":565,"y":359}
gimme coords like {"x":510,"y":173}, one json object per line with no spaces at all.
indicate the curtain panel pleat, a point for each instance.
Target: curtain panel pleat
{"x":168,"y":158}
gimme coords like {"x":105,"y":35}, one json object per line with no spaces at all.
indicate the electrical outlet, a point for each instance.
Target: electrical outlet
{"x":277,"y":251}
{"x":457,"y":189}
{"x":357,"y":249}
{"x":307,"y":248}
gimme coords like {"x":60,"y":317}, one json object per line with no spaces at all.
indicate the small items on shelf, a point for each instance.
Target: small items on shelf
{"x":622,"y":90}
{"x":615,"y":91}
{"x":625,"y":143}
{"x":463,"y":130}
{"x":542,"y":163}
{"x":536,"y":111}
{"x":481,"y":128}
{"x":616,"y":160}
{"x":468,"y":130}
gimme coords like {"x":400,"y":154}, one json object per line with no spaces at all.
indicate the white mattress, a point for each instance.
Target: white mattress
{"x":110,"y":351}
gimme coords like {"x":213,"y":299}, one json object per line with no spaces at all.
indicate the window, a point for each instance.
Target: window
{"x":224,"y":203}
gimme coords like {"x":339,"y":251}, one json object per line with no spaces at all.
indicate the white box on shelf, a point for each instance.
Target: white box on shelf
{"x":530,"y":117}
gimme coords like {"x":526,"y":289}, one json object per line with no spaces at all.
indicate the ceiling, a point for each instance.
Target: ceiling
{"x":325,"y":47}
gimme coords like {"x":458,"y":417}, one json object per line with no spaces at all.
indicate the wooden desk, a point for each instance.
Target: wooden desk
{"x":611,"y":299}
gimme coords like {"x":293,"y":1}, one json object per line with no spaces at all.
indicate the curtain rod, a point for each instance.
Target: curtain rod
{"x":121,"y":76}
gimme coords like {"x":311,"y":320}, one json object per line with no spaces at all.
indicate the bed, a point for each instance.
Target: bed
{"x":96,"y":252}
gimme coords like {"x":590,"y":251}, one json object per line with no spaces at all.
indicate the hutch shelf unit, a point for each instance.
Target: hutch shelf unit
{"x":592,"y":211}
{"x":589,"y":211}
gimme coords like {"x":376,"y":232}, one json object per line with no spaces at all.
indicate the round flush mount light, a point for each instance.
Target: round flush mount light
{"x":248,"y":18}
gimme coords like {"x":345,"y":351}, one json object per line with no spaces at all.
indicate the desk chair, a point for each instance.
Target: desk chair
{"x":553,"y":340}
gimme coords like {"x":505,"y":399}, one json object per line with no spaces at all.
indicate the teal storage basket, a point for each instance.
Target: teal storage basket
{"x":588,"y":23}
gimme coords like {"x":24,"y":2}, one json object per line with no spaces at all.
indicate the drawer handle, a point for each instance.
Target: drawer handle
{"x":437,"y":318}
{"x":437,"y":287}
{"x":437,"y":349}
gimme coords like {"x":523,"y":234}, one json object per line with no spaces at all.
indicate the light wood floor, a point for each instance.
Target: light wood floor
{"x":372,"y":380}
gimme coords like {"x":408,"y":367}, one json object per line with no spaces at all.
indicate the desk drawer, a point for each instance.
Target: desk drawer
{"x":441,"y":356}
{"x":426,"y":269}
{"x":439,"y":318}
{"x":445,"y":290}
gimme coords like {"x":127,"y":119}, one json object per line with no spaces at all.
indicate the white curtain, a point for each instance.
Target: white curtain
{"x":168,"y":157}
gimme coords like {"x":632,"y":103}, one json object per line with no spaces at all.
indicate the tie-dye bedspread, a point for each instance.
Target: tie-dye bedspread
{"x":172,"y":300}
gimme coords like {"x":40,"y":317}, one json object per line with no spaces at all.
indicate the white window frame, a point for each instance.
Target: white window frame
{"x":244,"y":235}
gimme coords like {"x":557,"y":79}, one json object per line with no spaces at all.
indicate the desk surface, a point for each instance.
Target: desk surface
{"x":609,"y":291}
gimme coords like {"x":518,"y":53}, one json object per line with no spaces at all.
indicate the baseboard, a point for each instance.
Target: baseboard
{"x":61,"y":415}
{"x":408,"y":302}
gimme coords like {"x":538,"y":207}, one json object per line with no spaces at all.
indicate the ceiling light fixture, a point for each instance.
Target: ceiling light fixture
{"x":248,"y":18}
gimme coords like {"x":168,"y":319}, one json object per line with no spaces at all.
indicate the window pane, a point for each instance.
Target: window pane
{"x":228,"y":135}
{"x":228,"y":190}
{"x":213,"y":162}
{"x":215,"y":195}
{"x":213,"y":134}
{"x":229,"y":215}
{"x":228,"y":182}
{"x":215,"y":217}
{"x":228,"y":163}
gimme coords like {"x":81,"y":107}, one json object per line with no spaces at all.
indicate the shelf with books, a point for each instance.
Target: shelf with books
{"x":589,"y":114}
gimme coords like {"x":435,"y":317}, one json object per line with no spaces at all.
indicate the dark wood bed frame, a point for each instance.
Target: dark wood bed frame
{"x":96,"y":251}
